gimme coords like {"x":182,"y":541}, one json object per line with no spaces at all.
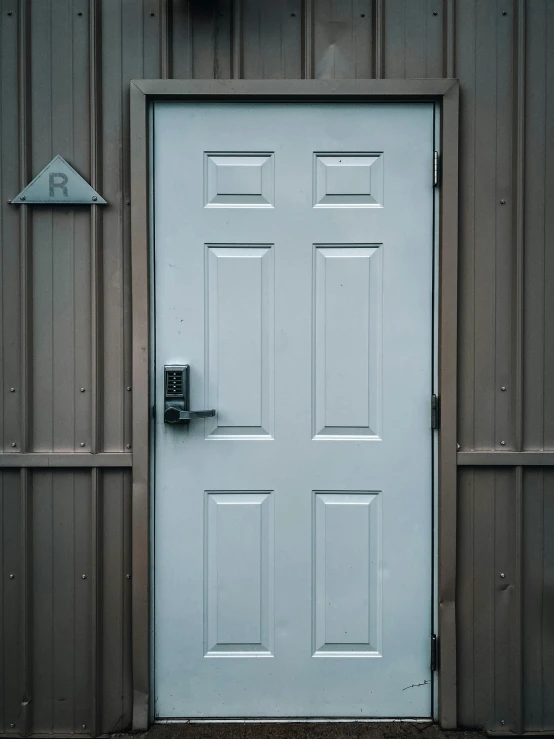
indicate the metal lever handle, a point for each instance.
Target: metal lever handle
{"x":174,"y":415}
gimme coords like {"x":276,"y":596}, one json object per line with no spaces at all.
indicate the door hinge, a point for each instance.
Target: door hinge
{"x":435,"y":411}
{"x":435,"y":168}
{"x":434,"y":653}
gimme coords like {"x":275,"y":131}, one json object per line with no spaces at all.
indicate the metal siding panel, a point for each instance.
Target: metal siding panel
{"x":115,"y":600}
{"x":10,"y":356}
{"x":343,"y":39}
{"x":272,"y":46}
{"x":413,"y":38}
{"x":484,"y":52}
{"x":538,"y":393}
{"x":212,"y":40}
{"x":61,"y":312}
{"x":11,"y":635}
{"x":538,"y":600}
{"x":487,"y":601}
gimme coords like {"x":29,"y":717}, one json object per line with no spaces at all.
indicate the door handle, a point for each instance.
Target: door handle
{"x":176,"y":396}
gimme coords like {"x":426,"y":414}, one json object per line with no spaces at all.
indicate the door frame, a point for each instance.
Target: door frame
{"x":443,"y":92}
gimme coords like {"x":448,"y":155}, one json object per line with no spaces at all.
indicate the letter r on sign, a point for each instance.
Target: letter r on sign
{"x":62,"y":182}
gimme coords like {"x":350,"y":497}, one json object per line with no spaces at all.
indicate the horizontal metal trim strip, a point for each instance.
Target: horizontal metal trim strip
{"x":78,"y":459}
{"x":505,"y":459}
{"x":290,"y":89}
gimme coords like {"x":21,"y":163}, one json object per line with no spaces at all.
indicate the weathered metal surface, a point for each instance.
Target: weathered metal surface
{"x":66,"y":311}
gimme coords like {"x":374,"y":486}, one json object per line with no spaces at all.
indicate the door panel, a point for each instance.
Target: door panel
{"x":293,"y":273}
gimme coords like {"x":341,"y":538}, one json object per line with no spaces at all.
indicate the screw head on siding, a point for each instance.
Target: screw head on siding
{"x":152,"y":15}
{"x":435,"y":12}
{"x":504,"y":12}
{"x":23,"y":197}
{"x":82,"y":443}
{"x":502,"y":575}
{"x":94,"y":197}
{"x":502,"y":443}
{"x":13,"y":443}
{"x":128,"y":577}
{"x":128,"y":446}
{"x":128,"y":388}
{"x":9,"y":13}
{"x":83,"y":577}
{"x":80,"y":12}
{"x":458,"y":447}
{"x":502,"y":722}
{"x":503,"y":388}
{"x":12,"y":390}
{"x":12,"y":726}
{"x":82,"y":389}
{"x":502,"y":202}
{"x":83,"y":726}
{"x":12,"y":576}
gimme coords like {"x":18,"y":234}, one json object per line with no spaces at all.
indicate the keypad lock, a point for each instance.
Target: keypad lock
{"x":176,"y":395}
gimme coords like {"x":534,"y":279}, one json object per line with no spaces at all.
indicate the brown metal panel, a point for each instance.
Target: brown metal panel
{"x":61,"y":562}
{"x":61,"y":300}
{"x":343,"y":39}
{"x":413,"y":38}
{"x":538,"y":392}
{"x":487,"y":598}
{"x":484,"y":50}
{"x":11,"y":583}
{"x":116,"y":694}
{"x":538,"y":600}
{"x":10,"y":356}
{"x":272,"y":46}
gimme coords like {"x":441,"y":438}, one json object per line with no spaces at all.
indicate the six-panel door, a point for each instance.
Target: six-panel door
{"x":293,"y":273}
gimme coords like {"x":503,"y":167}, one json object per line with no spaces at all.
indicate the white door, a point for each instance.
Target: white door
{"x":293,"y":274}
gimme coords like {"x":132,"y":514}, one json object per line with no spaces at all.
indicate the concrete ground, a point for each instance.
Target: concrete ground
{"x":351,"y":730}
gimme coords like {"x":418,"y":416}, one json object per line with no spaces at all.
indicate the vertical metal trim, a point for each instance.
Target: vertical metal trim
{"x":25,"y":222}
{"x":519,"y":220}
{"x":96,"y":603}
{"x":450,"y":38}
{"x":236,"y":41}
{"x":165,"y":41}
{"x":519,"y":169}
{"x":379,"y":40}
{"x":95,"y":92}
{"x":141,"y":399}
{"x":26,"y":605}
{"x":448,"y":325}
{"x":307,"y":40}
{"x":517,"y":637}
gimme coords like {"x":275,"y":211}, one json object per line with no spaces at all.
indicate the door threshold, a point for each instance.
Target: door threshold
{"x":292,"y":720}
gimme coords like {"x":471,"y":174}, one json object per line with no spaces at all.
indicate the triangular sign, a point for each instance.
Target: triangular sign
{"x":58,"y":184}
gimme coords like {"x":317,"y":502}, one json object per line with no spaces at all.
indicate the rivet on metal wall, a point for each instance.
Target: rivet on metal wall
{"x":80,"y":12}
{"x":362,"y":15}
{"x":13,"y":443}
{"x":502,"y":202}
{"x":128,"y":446}
{"x":502,"y":574}
{"x":128,"y":577}
{"x":9,"y":12}
{"x":12,"y":726}
{"x":503,"y":443}
{"x":23,"y":197}
{"x":82,"y":389}
{"x":12,"y":390}
{"x":504,"y":12}
{"x":502,"y":722}
{"x":152,"y":15}
{"x":12,"y":576}
{"x":83,"y":577}
{"x":435,"y":12}
{"x":503,"y":388}
{"x":82,"y":443}
{"x":128,"y":387}
{"x":94,"y":197}
{"x":458,"y":447}
{"x":83,"y":726}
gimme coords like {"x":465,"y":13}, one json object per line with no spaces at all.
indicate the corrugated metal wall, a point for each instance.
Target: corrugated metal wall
{"x":65,"y":359}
